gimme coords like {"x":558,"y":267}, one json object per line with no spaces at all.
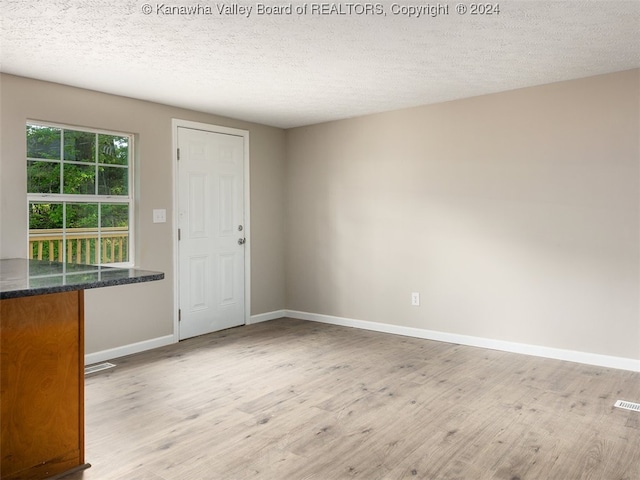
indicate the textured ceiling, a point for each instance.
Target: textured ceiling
{"x":298,"y":69}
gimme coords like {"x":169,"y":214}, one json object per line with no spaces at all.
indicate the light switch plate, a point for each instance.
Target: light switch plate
{"x":159,"y":215}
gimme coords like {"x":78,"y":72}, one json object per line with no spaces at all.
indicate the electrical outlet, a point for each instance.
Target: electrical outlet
{"x":415,"y":299}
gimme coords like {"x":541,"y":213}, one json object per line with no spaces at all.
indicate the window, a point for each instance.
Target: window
{"x":80,"y":194}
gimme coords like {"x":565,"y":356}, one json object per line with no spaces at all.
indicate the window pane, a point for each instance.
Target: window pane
{"x":113,"y":150}
{"x":82,"y":233}
{"x":113,"y":181}
{"x":45,"y":215}
{"x":82,"y":215}
{"x":115,"y":215}
{"x":82,"y":236}
{"x":79,"y":179}
{"x":45,"y":231}
{"x":43,"y":142}
{"x":79,"y":146}
{"x":114,"y":233}
{"x":81,"y":249}
{"x":43,"y":177}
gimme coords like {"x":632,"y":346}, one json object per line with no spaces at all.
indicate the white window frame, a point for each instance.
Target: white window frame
{"x":99,"y":199}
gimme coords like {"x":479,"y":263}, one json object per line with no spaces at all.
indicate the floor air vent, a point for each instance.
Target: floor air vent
{"x":98,"y":367}
{"x":628,"y":405}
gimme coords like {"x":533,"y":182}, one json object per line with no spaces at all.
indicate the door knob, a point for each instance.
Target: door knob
{"x":241,"y":241}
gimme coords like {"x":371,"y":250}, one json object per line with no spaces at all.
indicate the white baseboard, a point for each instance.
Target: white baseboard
{"x":599,"y":360}
{"x":130,"y":349}
{"x":620,"y":363}
{"x":265,"y":317}
{"x":110,"y":354}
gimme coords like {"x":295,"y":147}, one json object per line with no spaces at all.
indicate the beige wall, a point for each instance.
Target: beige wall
{"x":515,"y":215}
{"x":120,"y":316}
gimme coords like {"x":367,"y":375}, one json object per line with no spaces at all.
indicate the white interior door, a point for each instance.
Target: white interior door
{"x":211,"y":231}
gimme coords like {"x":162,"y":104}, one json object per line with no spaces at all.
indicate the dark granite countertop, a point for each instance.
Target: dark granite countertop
{"x":20,"y":277}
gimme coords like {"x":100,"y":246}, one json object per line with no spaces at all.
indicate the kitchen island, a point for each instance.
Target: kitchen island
{"x":42,"y":363}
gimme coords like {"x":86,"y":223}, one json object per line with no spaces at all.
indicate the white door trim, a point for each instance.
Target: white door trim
{"x":175,"y":124}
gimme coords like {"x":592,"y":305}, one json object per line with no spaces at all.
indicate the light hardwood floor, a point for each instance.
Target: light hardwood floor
{"x":289,"y":399}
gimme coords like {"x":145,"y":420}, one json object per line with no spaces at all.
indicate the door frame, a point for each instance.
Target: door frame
{"x":179,"y":123}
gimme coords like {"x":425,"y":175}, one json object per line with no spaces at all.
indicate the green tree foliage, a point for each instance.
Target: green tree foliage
{"x":45,"y":215}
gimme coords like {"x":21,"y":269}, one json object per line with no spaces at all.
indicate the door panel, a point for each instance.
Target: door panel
{"x":211,"y":220}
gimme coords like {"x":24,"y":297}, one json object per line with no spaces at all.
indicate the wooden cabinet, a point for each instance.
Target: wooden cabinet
{"x":42,"y":362}
{"x":42,"y":385}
